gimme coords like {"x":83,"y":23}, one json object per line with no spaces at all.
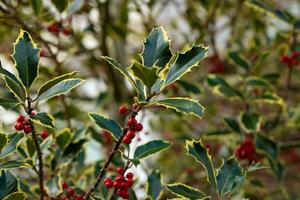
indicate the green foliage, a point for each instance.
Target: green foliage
{"x":186,"y":191}
{"x":150,"y":148}
{"x":44,"y":119}
{"x":60,"y":5}
{"x":154,"y":186}
{"x":12,"y":144}
{"x":8,"y":183}
{"x":250,"y":122}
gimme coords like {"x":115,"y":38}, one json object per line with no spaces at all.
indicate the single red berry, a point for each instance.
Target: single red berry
{"x":65,"y":185}
{"x":27,"y":129}
{"x":43,"y":53}
{"x":131,"y":121}
{"x":117,"y":184}
{"x":130,"y":134}
{"x":295,"y":62}
{"x":44,"y":134}
{"x":79,"y":197}
{"x":126,"y":140}
{"x":107,"y":180}
{"x":284,"y":59}
{"x":19,"y":126}
{"x":67,"y":31}
{"x":54,"y":28}
{"x":109,"y":184}
{"x":122,"y":193}
{"x":138,"y":127}
{"x":129,"y":183}
{"x":129,"y":175}
{"x":21,"y":118}
{"x":120,"y":170}
{"x":122,"y":109}
{"x":70,"y":192}
{"x":294,"y":54}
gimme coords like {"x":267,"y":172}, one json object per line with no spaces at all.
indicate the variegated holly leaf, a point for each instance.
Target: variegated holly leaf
{"x":12,"y":144}
{"x":154,"y":186}
{"x":150,"y":148}
{"x":44,"y":119}
{"x":26,"y":57}
{"x":184,"y":63}
{"x":186,"y":191}
{"x":9,"y":183}
{"x":250,"y":121}
{"x":156,"y":48}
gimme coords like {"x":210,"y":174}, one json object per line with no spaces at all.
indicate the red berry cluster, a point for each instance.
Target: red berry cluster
{"x":121,"y":183}
{"x":133,"y":126}
{"x":71,"y":193}
{"x":56,"y":28}
{"x":246,"y":151}
{"x":23,"y":124}
{"x":290,"y":60}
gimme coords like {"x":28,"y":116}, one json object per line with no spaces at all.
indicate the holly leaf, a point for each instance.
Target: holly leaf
{"x":60,"y":88}
{"x":154,"y":186}
{"x":250,"y":121}
{"x":26,"y":57}
{"x":150,"y":148}
{"x":256,"y":166}
{"x":61,"y":5}
{"x":186,"y":191}
{"x":9,"y":104}
{"x":220,"y":86}
{"x":53,"y":186}
{"x":64,"y":138}
{"x":13,"y":142}
{"x":183,"y":105}
{"x":108,"y":124}
{"x":237,"y":59}
{"x":145,"y":74}
{"x":12,"y":164}
{"x":267,"y":146}
{"x":184,"y":63}
{"x":37,"y":6}
{"x":13,"y":86}
{"x":200,"y":154}
{"x":8,"y":183}
{"x":156,"y":48}
{"x":230,"y":177}
{"x":44,"y":119}
{"x":15,"y":196}
{"x":232,"y":124}
{"x":3,"y":141}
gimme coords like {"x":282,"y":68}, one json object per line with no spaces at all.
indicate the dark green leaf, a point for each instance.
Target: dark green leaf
{"x":150,"y":148}
{"x":154,"y":186}
{"x":63,"y":138}
{"x":189,"y":87}
{"x":267,"y":146}
{"x":230,"y":177}
{"x":200,"y":153}
{"x":74,"y":148}
{"x":37,"y":6}
{"x":61,"y":5}
{"x":60,"y":88}
{"x":250,"y":122}
{"x":15,"y":196}
{"x":53,"y":186}
{"x":156,"y":48}
{"x":239,"y":60}
{"x":14,"y":87}
{"x":44,"y":119}
{"x":220,"y":86}
{"x":186,"y":191}
{"x":108,"y":124}
{"x":257,"y":82}
{"x":26,"y":58}
{"x":9,"y":104}
{"x":13,"y":164}
{"x":30,"y":147}
{"x":184,"y":63}
{"x":256,"y":166}
{"x":3,"y":141}
{"x":232,"y":124}
{"x":12,"y":144}
{"x":147,"y":75}
{"x":8,"y":183}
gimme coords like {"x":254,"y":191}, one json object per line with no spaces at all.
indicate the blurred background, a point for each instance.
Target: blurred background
{"x":246,"y":41}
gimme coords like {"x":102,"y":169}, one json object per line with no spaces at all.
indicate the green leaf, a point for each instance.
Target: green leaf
{"x":44,"y":119}
{"x":60,"y":88}
{"x":182,"y":105}
{"x":250,"y":122}
{"x":256,"y":166}
{"x":220,"y":86}
{"x":74,"y":148}
{"x":26,"y":57}
{"x":147,"y":75}
{"x":121,"y":69}
{"x":108,"y":124}
{"x":9,"y":104}
{"x":46,"y":86}
{"x":3,"y":141}
{"x":37,"y":6}
{"x":270,"y":98}
{"x":15,"y":196}
{"x":267,"y":146}
{"x":12,"y":144}
{"x":189,"y":87}
{"x":53,"y":186}
{"x":239,"y":60}
{"x":184,"y":63}
{"x":156,"y":48}
{"x":258,"y":82}
{"x":154,"y":186}
{"x":230,"y":177}
{"x":11,"y":164}
{"x":30,"y":147}
{"x":186,"y":191}
{"x":232,"y":124}
{"x":200,"y":153}
{"x":13,"y":86}
{"x":150,"y":148}
{"x":8,"y":183}
{"x":61,"y":5}
{"x":64,"y":138}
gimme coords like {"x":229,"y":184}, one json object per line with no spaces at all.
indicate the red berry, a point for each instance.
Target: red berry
{"x":65,"y":185}
{"x":107,"y":180}
{"x":67,"y":198}
{"x":129,"y":175}
{"x":295,"y":62}
{"x":129,"y":183}
{"x":67,"y":31}
{"x":131,"y":121}
{"x":43,"y":53}
{"x":117,"y":184}
{"x":109,"y":184}
{"x":19,"y":126}
{"x":27,"y":129}
{"x":123,"y":193}
{"x":44,"y":134}
{"x":122,"y":109}
{"x":127,"y":140}
{"x":135,"y":106}
{"x":138,"y":127}
{"x":120,"y":170}
{"x":53,"y":28}
{"x":284,"y":59}
{"x":130,"y":134}
{"x":32,"y":114}
{"x":21,"y":118}
{"x":79,"y":197}
{"x":71,"y":192}
{"x":294,"y":55}
{"x":119,"y":178}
